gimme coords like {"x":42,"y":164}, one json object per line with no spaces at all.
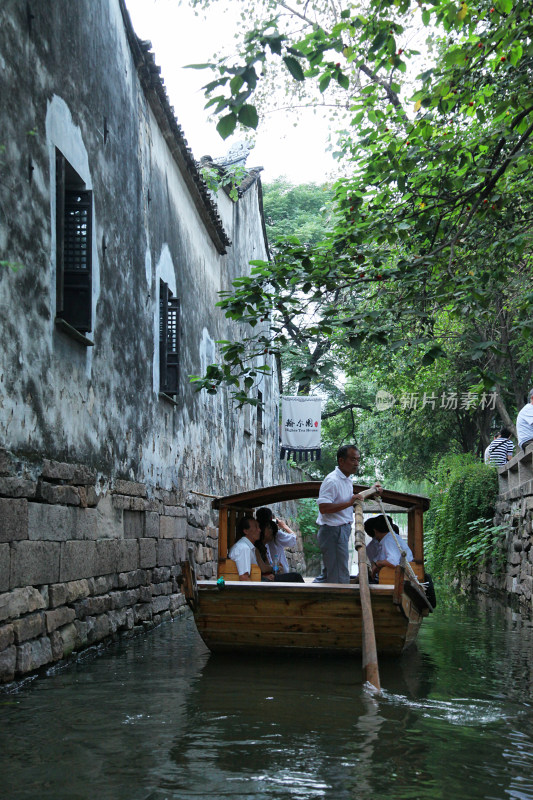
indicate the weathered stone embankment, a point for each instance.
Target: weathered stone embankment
{"x":510,"y":570}
{"x":83,"y":560}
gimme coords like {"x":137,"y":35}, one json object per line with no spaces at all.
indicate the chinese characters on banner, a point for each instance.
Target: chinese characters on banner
{"x":300,"y":427}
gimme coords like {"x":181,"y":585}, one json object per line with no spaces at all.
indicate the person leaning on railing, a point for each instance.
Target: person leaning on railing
{"x":524,"y":423}
{"x":500,"y":450}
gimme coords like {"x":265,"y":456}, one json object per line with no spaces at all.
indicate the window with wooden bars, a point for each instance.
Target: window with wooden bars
{"x":169,"y":341}
{"x":73,"y":248}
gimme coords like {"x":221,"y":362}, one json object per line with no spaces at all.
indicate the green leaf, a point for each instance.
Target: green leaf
{"x":343,"y":80}
{"x":455,"y":56}
{"x":226,"y":125}
{"x":324,"y":82}
{"x":433,"y":353}
{"x":426,"y":16}
{"x":294,"y":68}
{"x":379,"y":41}
{"x":248,"y":116}
{"x":516,"y":54}
{"x":235,"y":84}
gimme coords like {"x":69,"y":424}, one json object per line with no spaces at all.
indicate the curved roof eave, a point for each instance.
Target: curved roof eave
{"x":297,"y":491}
{"x":156,"y":94}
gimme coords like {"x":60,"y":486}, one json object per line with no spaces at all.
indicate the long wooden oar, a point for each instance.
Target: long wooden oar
{"x":370,"y":654}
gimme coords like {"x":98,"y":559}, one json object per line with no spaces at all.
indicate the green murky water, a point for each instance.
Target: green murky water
{"x":160,"y":718}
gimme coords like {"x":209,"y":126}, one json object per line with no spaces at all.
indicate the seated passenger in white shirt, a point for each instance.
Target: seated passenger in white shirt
{"x":243,"y":551}
{"x":388,"y":553}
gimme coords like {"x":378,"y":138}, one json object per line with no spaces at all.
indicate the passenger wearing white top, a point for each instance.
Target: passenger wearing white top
{"x":335,"y":514}
{"x":243,"y":551}
{"x":524,"y":423}
{"x":277,"y":545}
{"x":275,"y":537}
{"x":388,"y":553}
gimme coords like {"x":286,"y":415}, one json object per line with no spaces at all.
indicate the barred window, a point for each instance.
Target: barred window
{"x":169,"y":340}
{"x":73,"y":247}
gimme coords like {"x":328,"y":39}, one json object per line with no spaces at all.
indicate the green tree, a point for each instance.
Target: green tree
{"x":430,"y":247}
{"x":300,"y":211}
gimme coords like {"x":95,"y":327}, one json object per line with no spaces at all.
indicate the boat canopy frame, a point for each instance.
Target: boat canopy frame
{"x":234,"y":506}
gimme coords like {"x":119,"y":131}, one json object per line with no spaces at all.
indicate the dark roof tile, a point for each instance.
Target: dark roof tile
{"x":156,"y":94}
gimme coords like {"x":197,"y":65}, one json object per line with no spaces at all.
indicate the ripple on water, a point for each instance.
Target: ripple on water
{"x":456,"y":711}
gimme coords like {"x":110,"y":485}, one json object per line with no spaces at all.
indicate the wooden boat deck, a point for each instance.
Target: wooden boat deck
{"x":246,"y":616}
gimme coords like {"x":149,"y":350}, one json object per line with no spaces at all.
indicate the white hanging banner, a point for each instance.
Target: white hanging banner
{"x":300,"y":427}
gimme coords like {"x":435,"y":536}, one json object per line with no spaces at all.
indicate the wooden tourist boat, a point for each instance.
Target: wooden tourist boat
{"x":307,"y":617}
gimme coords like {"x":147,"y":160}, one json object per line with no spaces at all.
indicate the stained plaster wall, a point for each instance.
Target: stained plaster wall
{"x":96,"y":468}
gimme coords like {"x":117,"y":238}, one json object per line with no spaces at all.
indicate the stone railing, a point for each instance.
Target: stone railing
{"x":516,"y":477}
{"x":510,"y":570}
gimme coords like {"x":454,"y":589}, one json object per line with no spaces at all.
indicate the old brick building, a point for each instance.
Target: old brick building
{"x":122,"y":250}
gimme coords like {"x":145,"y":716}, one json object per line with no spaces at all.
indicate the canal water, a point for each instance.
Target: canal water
{"x":158,"y":718}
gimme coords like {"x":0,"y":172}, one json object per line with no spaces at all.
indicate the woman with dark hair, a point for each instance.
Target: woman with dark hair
{"x":275,"y":537}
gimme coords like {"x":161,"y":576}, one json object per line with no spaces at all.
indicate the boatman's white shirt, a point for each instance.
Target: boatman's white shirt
{"x":388,"y":550}
{"x":243,"y":553}
{"x":336,"y":488}
{"x":524,"y":424}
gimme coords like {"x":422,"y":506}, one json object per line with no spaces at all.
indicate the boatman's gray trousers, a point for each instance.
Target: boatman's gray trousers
{"x":333,"y":542}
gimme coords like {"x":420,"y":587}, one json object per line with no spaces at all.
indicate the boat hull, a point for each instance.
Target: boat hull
{"x":320,"y":618}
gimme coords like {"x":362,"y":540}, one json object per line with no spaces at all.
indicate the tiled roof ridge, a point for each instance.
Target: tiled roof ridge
{"x":252,"y":174}
{"x":251,"y":177}
{"x":150,"y":77}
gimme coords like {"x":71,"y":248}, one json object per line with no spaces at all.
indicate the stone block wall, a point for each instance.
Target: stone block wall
{"x":83,"y":560}
{"x":510,"y":570}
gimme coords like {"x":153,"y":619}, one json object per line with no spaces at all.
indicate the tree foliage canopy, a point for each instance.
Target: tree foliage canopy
{"x":303,"y":211}
{"x":428,"y":256}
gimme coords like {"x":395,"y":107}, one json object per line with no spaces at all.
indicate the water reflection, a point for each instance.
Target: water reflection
{"x":160,"y":718}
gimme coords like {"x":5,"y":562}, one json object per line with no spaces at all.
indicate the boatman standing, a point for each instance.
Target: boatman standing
{"x":335,"y":514}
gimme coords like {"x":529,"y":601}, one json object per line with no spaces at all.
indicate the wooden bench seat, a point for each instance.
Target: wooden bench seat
{"x":386,"y":574}
{"x":227,"y":569}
